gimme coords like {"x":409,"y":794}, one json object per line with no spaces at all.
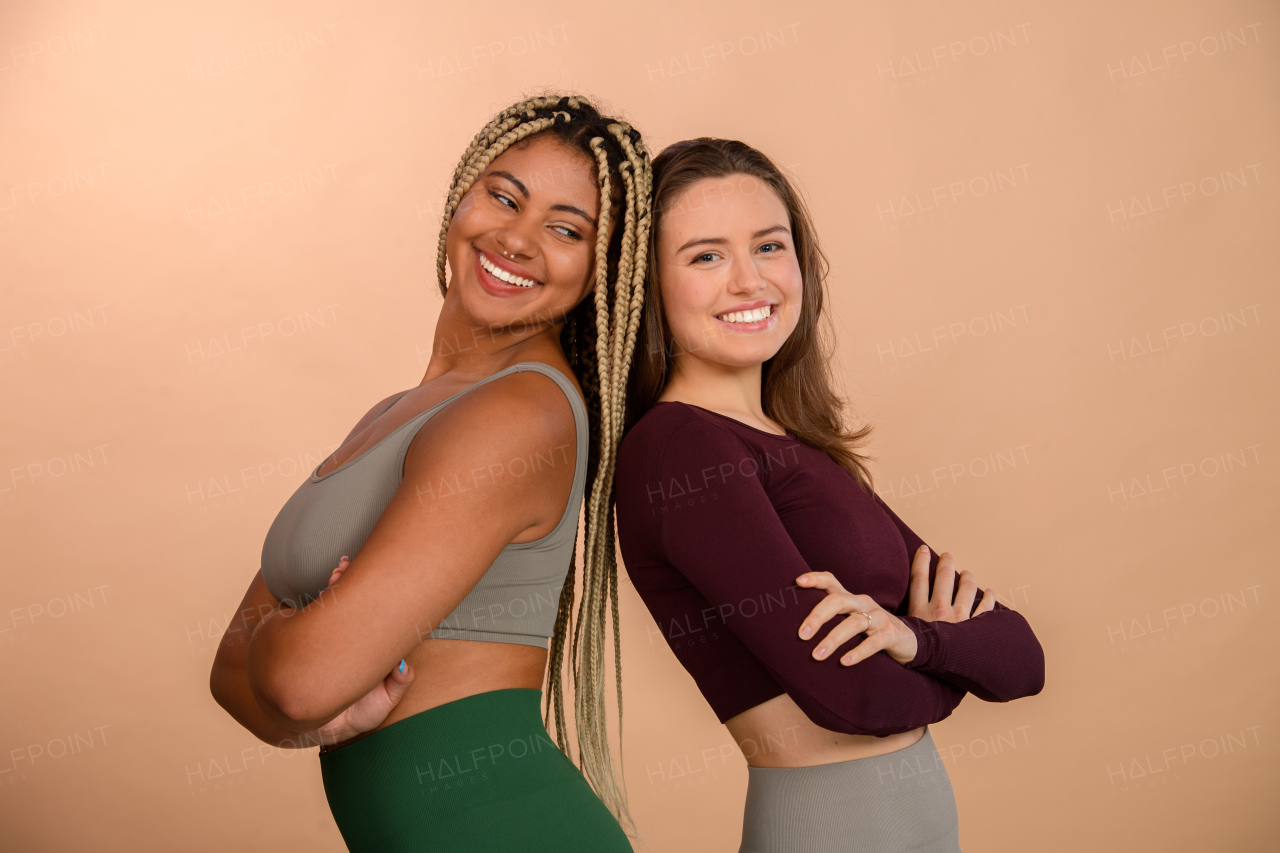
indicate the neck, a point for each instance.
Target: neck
{"x":718,"y":387}
{"x":464,"y":346}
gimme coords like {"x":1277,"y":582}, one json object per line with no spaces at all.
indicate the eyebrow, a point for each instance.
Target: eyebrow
{"x":720,"y":241}
{"x":524,"y":191}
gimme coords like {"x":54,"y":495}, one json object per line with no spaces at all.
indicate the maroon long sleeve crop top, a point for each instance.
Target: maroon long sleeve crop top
{"x":716,"y":520}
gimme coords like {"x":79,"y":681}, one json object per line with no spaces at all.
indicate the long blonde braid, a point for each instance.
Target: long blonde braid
{"x":598,"y":339}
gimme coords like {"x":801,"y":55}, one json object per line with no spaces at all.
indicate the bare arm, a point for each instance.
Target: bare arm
{"x":229,"y":682}
{"x":443,"y":528}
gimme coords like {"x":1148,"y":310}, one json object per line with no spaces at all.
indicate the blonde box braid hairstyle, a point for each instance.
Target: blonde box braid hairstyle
{"x":599,"y":338}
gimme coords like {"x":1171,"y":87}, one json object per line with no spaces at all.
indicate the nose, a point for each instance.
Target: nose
{"x":744,"y":277}
{"x":517,"y":236}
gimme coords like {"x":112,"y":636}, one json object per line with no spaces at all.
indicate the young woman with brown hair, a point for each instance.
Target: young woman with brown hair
{"x":747,"y":521}
{"x":458,"y":501}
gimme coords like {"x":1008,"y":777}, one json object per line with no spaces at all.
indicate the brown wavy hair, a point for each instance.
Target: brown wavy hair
{"x":798,"y":383}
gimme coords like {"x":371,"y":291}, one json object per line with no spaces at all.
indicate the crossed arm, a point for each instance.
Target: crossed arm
{"x":736,"y":547}
{"x":426,"y":552}
{"x":993,"y":654}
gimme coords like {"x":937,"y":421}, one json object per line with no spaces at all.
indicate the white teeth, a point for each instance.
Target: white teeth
{"x":509,"y":278}
{"x":755,"y":315}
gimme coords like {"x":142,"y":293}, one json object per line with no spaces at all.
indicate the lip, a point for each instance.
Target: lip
{"x":497,"y":286}
{"x":745,"y":306}
{"x":766,"y":323}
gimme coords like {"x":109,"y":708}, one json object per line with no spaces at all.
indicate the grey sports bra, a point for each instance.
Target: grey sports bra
{"x":514,"y":602}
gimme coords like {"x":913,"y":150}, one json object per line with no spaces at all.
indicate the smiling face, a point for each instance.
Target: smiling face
{"x":728,"y":274}
{"x":521,"y":244}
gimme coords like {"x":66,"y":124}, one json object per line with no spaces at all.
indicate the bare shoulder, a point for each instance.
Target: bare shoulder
{"x":524,"y":414}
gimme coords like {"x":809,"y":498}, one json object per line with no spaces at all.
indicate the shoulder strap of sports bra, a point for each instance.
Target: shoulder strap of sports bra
{"x":575,"y":402}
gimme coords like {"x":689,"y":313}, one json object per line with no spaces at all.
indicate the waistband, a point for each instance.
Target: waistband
{"x":898,"y":801}
{"x":438,"y":763}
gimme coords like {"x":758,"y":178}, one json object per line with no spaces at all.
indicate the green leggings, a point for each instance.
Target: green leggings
{"x":477,"y":774}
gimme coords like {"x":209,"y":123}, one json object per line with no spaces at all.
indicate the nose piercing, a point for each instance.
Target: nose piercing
{"x":507,"y":254}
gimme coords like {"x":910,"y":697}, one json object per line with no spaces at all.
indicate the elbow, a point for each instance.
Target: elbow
{"x":1035,"y":673}
{"x":217,"y":685}
{"x":222,"y":682}
{"x":1030,"y":684}
{"x":294,"y":703}
{"x":1036,"y":681}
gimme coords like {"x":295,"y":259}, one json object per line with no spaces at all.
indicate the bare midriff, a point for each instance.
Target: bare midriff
{"x":777,"y":733}
{"x":448,"y":670}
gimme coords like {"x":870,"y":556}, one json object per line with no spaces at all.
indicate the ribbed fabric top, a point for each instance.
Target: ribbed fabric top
{"x":517,"y":598}
{"x":716,"y":520}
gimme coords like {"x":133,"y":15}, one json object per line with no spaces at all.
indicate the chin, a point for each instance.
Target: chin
{"x":742,"y":357}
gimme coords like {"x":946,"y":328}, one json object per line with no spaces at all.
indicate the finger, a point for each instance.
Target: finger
{"x":824,"y":581}
{"x":844,"y":631}
{"x":398,"y":682}
{"x":918,"y":592}
{"x":820,"y":580}
{"x":834,"y":604}
{"x":965,"y":595}
{"x":944,"y":582}
{"x":988,"y":602}
{"x":868,"y":647}
{"x":337,"y":573}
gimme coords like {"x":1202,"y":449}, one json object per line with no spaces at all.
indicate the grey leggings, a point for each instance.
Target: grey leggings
{"x":893,"y":803}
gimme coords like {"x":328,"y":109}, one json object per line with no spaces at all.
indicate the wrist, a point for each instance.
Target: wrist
{"x":926,"y":641}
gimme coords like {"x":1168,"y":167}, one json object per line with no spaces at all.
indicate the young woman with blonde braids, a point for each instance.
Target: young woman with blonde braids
{"x":458,"y":503}
{"x":747,"y":521}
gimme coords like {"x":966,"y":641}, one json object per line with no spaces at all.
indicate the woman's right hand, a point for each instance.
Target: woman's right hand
{"x":885,"y":631}
{"x":939,"y":607}
{"x":368,"y":712}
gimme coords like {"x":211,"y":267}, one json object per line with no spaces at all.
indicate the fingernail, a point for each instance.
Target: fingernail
{"x":402,"y":666}
{"x":821,"y":650}
{"x":923,"y":548}
{"x":802,"y":579}
{"x":344,"y":557}
{"x":846,"y":660}
{"x":805,"y":632}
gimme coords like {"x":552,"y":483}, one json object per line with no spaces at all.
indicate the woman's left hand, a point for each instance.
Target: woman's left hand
{"x":884,"y":630}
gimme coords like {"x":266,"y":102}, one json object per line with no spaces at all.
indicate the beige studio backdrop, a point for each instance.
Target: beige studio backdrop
{"x":1052,"y":233}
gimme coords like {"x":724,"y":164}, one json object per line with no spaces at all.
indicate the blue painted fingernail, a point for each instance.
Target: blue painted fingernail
{"x":402,"y":666}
